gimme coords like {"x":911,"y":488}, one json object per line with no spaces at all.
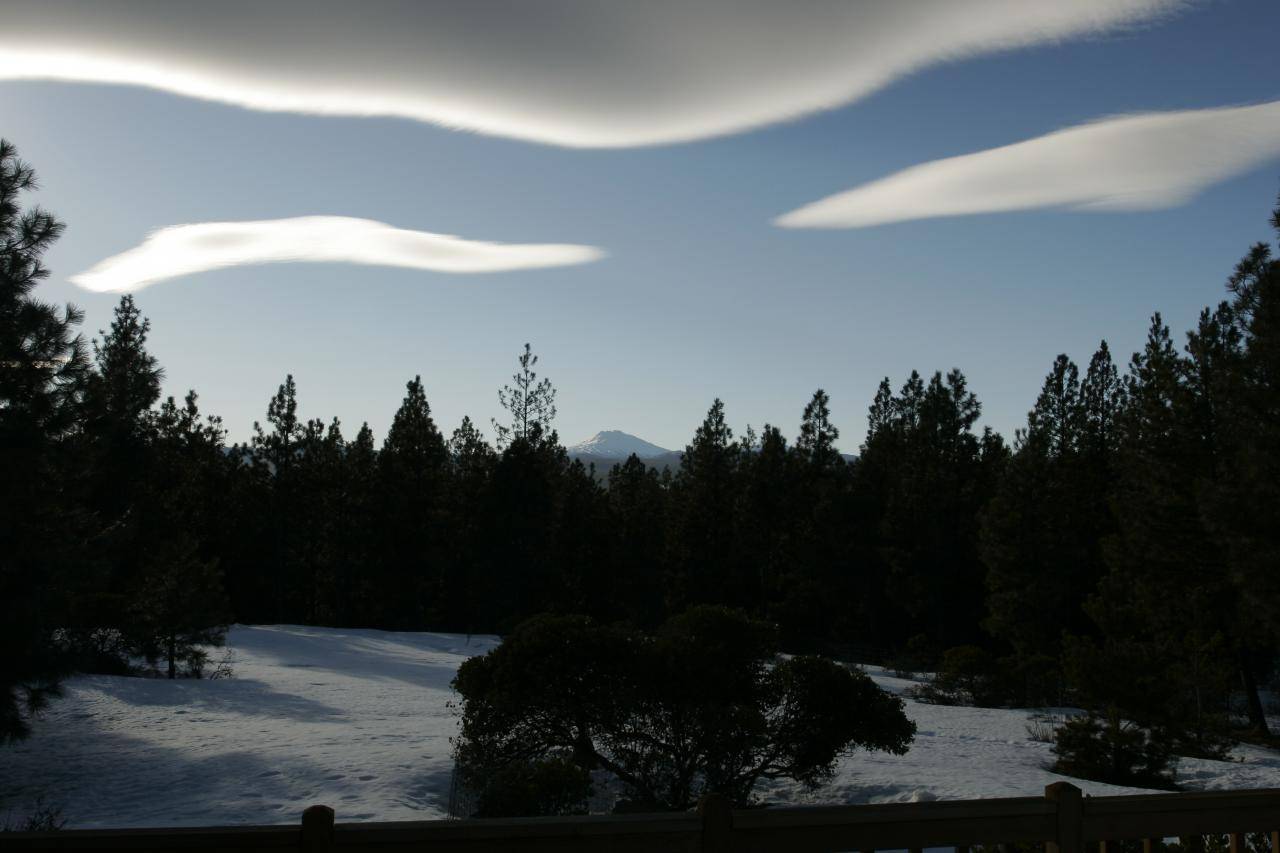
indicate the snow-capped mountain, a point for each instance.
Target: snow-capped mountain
{"x":617,"y":445}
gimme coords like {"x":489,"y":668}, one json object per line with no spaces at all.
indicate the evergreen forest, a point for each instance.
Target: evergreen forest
{"x":1118,"y":554}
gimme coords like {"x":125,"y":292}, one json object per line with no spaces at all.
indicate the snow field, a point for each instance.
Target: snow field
{"x":360,"y":720}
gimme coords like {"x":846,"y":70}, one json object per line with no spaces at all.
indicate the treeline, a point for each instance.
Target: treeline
{"x":1121,"y":553}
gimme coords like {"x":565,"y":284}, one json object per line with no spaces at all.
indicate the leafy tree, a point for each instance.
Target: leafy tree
{"x":43,"y":364}
{"x":703,"y":705}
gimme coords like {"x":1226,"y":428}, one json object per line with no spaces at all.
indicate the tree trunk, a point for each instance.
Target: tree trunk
{"x":173,"y":657}
{"x":1257,"y":717}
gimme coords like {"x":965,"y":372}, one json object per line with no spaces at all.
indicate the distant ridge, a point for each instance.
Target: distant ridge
{"x":612,"y":447}
{"x":617,"y":445}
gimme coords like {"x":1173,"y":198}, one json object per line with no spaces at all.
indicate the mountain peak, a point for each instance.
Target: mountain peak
{"x":615,"y":444}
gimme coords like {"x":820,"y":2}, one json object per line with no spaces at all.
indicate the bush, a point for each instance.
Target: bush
{"x":41,"y":817}
{"x":919,"y":656}
{"x":705,"y":704}
{"x":968,"y":676}
{"x":1110,"y":749}
{"x":1043,"y":727}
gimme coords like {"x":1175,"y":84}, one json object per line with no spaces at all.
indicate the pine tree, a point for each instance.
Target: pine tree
{"x":119,"y":439}
{"x":820,"y":596}
{"x":178,"y":603}
{"x":1042,"y":531}
{"x":1101,"y":401}
{"x":43,"y":364}
{"x":127,"y":382}
{"x":358,"y":599}
{"x":586,"y":579}
{"x":181,"y":606}
{"x":278,"y":448}
{"x":928,"y":475}
{"x":320,"y":511}
{"x":638,"y":516}
{"x":275,"y":460}
{"x":705,"y":491}
{"x":413,"y":479}
{"x":466,"y":572}
{"x":530,"y":404}
{"x":1244,"y":506}
{"x":818,"y":435}
{"x":523,"y":510}
{"x":1165,"y":594}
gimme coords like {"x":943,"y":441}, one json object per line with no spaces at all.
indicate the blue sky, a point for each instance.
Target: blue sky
{"x":700,"y":294}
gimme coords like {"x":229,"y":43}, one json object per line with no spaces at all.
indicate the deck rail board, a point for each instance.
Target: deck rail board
{"x":1063,"y":820}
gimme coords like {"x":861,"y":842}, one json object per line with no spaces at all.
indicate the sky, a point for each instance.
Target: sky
{"x":671,"y":202}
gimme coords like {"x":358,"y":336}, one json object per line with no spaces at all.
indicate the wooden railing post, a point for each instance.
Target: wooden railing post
{"x":1070,"y":805}
{"x":317,"y":830}
{"x":717,"y":824}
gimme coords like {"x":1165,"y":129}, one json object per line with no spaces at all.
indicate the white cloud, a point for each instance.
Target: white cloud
{"x":567,"y":72}
{"x":1134,"y":162}
{"x":185,"y":249}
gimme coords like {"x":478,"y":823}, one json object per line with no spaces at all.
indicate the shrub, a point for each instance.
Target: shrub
{"x":919,"y":656}
{"x":968,"y":676}
{"x":1043,"y":727}
{"x":705,"y":704}
{"x":41,"y":817}
{"x":1110,"y":749}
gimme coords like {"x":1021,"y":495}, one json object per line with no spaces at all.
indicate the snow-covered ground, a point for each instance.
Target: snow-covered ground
{"x":359,"y":720}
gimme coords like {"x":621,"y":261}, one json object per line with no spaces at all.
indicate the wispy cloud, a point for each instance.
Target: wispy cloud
{"x":1133,"y":162}
{"x":565,"y":72}
{"x":185,"y":249}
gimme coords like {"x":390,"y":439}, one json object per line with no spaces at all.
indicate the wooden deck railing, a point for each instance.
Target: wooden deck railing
{"x":1062,"y":820}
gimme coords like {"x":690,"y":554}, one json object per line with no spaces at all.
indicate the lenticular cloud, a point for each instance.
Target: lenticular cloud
{"x":1135,"y":162}
{"x":567,"y":72}
{"x":185,"y":249}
